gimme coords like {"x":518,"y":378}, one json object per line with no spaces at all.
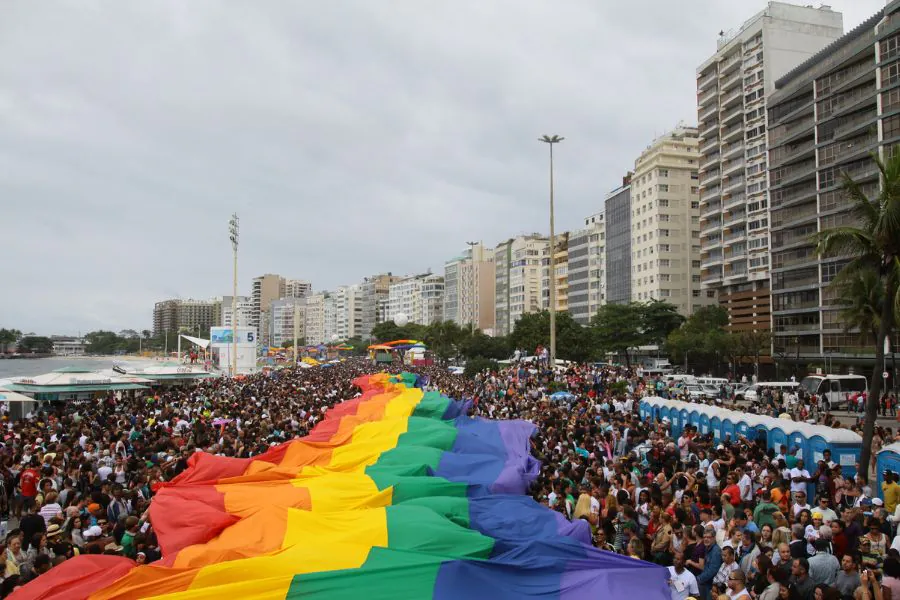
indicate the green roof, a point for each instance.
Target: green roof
{"x":72,"y":370}
{"x":60,"y":389}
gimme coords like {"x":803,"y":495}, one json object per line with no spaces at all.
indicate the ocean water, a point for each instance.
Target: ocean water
{"x":23,"y":367}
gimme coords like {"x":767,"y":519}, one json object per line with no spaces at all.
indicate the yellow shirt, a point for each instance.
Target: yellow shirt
{"x":891,"y":496}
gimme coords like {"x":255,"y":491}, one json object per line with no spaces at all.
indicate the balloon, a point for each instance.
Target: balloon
{"x":400,"y":319}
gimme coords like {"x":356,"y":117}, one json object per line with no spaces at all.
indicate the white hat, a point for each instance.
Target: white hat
{"x":877,"y":501}
{"x":94,"y":531}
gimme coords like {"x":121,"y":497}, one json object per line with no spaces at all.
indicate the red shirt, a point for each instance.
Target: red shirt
{"x":28,"y":480}
{"x":734,"y":493}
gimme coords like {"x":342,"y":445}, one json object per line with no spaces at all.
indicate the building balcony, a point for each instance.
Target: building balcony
{"x":787,"y":154}
{"x":740,"y":234}
{"x":733,"y":80}
{"x":735,"y":272}
{"x":711,"y":261}
{"x":711,"y":243}
{"x":732,"y":150}
{"x":708,"y":162}
{"x":704,"y":98}
{"x":711,"y":194}
{"x":732,"y":184}
{"x":735,"y":132}
{"x":705,"y":112}
{"x":712,"y":277}
{"x":729,"y":64}
{"x":706,"y":80}
{"x":708,"y":128}
{"x":732,"y":219}
{"x":710,"y":209}
{"x":733,"y":116}
{"x":708,"y":145}
{"x":734,"y":201}
{"x":732,"y":99}
{"x":732,"y":166}
{"x":710,"y":177}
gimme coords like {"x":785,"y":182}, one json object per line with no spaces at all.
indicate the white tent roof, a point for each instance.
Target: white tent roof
{"x":788,"y":427}
{"x":7,"y":396}
{"x":199,"y":341}
{"x":71,"y":377}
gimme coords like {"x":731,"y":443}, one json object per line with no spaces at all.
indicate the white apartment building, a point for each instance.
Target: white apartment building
{"x":665,"y":223}
{"x":419,"y":297}
{"x":244,"y":307}
{"x":283,"y":314}
{"x":469,"y":288}
{"x":347,"y":311}
{"x":585,"y":269}
{"x":314,"y":319}
{"x":518,"y":269}
{"x":330,"y":321}
{"x":732,"y":86}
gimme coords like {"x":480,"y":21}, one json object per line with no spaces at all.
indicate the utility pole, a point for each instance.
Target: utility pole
{"x":550,"y":140}
{"x":234,"y":234}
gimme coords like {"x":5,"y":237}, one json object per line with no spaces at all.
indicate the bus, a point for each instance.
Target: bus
{"x":835,"y":389}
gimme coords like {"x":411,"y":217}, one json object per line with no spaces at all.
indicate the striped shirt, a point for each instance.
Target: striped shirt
{"x":48,"y":511}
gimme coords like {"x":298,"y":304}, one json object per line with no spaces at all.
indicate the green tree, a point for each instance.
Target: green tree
{"x":479,"y":364}
{"x":9,"y":336}
{"x":618,"y":328}
{"x":444,"y":338}
{"x":389,"y":331}
{"x":702,"y":338}
{"x":658,"y":320}
{"x":482,"y":345}
{"x":35,"y":345}
{"x":872,"y":246}
{"x":573,"y":342}
{"x":861,"y":293}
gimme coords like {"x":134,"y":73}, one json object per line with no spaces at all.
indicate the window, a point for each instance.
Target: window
{"x":695,"y":190}
{"x":695,"y":293}
{"x":664,"y":218}
{"x":664,"y":277}
{"x":890,"y":75}
{"x":663,"y":262}
{"x":663,"y":203}
{"x":662,"y":172}
{"x":664,"y":248}
{"x":710,"y":293}
{"x":694,"y":175}
{"x":890,"y":100}
{"x":663,"y":187}
{"x":695,"y":264}
{"x":888,"y":48}
{"x":891,"y":127}
{"x":663,"y":233}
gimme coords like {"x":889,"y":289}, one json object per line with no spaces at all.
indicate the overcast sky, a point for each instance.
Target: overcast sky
{"x":352,"y":137}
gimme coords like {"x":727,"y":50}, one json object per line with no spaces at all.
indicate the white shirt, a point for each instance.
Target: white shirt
{"x":739,"y":595}
{"x":682,"y":585}
{"x":798,"y":487}
{"x":746,"y":487}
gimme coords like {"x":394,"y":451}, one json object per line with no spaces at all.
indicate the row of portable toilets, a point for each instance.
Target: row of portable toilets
{"x":810,"y":440}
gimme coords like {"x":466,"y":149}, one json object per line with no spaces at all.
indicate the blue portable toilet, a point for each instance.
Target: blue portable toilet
{"x":728,"y":429}
{"x":645,"y":411}
{"x":704,"y":424}
{"x":685,"y":417}
{"x":695,"y":419}
{"x":743,"y":428}
{"x":796,"y":439}
{"x":663,"y":413}
{"x":817,"y":447}
{"x":887,"y":460}
{"x":845,"y":445}
{"x":716,"y":424}
{"x":777,"y":438}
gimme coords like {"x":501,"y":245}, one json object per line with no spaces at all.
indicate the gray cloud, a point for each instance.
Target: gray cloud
{"x":352,"y":137}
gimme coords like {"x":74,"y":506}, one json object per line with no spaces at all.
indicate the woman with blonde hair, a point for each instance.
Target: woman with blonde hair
{"x":583,"y":510}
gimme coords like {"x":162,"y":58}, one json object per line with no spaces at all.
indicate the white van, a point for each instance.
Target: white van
{"x":716,"y":381}
{"x":681,"y":378}
{"x":836,"y":389}
{"x":751,"y":394}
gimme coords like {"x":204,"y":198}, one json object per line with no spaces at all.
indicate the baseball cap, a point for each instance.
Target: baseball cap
{"x":877,"y":501}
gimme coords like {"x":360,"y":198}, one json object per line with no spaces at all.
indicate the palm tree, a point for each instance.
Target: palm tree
{"x":873,"y":249}
{"x":861,"y":294}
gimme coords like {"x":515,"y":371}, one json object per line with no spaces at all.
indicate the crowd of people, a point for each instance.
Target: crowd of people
{"x":732,"y":519}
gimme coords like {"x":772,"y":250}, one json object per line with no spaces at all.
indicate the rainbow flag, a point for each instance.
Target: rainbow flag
{"x":395,"y":494}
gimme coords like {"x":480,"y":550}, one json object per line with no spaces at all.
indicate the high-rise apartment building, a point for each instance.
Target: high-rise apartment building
{"x":297,"y":288}
{"x":419,"y":297}
{"x":560,"y":280}
{"x":469,"y":288}
{"x":330,"y":321}
{"x":191,"y":316}
{"x":244,"y":305}
{"x":264,"y":290}
{"x":586,"y":277}
{"x":314,"y":319}
{"x":665,"y":223}
{"x":374,"y":300}
{"x":826,"y":118}
{"x":347,"y":311}
{"x":731,"y":98}
{"x":518,"y":268}
{"x":283,"y":314}
{"x":617,"y":214}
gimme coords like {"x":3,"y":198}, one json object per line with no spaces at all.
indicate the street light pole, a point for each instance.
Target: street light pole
{"x":234,"y":231}
{"x":471,"y":246}
{"x":550,"y":140}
